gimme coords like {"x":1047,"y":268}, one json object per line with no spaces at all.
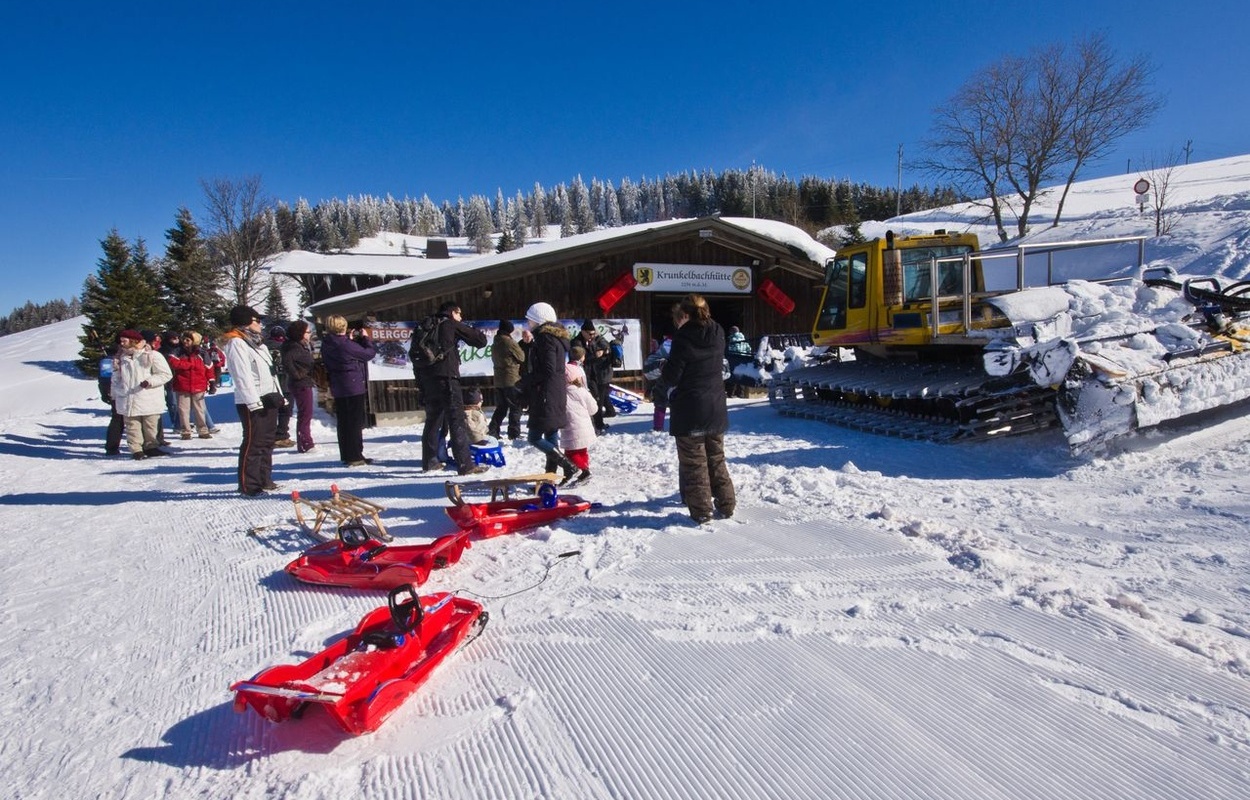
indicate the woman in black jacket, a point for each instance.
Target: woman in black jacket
{"x":545,"y":386}
{"x":699,"y":417}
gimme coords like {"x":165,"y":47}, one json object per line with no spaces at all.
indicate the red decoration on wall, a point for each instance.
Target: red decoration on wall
{"x":613,"y":294}
{"x":776,"y":298}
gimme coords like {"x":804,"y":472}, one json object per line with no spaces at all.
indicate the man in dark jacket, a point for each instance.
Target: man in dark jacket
{"x":598,"y":368}
{"x":546,"y":387}
{"x":694,"y":379}
{"x":507,"y":357}
{"x":443,"y":398}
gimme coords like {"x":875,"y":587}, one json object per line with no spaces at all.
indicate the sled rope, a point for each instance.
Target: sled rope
{"x":546,"y":574}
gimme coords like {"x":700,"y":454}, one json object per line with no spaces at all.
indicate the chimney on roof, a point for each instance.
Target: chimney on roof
{"x":436,"y":248}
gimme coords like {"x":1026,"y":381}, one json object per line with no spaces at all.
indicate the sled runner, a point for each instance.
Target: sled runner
{"x":341,"y":508}
{"x":499,"y":488}
{"x":505,"y":516}
{"x":362,"y":678}
{"x":359,"y":561}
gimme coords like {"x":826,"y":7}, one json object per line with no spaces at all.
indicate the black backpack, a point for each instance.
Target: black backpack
{"x":426,"y":348}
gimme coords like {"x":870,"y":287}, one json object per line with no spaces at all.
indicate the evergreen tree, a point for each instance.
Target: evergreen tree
{"x":611,"y":207}
{"x":188,"y":280}
{"x":583,"y":217}
{"x":124,"y":293}
{"x":538,"y":212}
{"x":564,"y":211}
{"x":627,"y":201}
{"x":305,"y":227}
{"x":518,"y":222}
{"x":33,"y":315}
{"x":478,"y":225}
{"x":275,"y":306}
{"x":429,"y":220}
{"x":505,"y":242}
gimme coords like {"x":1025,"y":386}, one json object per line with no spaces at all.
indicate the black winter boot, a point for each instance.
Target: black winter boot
{"x":570,"y":469}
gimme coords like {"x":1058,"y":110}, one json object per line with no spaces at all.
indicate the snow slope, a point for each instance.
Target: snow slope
{"x":882,"y":619}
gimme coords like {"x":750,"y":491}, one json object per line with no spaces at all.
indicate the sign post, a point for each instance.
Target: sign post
{"x":1141,"y":189}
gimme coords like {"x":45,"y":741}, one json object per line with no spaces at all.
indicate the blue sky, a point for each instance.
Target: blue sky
{"x":114,"y":113}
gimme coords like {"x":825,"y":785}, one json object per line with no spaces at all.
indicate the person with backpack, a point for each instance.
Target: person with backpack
{"x":435,"y":357}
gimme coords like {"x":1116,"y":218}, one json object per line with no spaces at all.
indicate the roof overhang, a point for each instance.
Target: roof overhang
{"x":770,"y":252}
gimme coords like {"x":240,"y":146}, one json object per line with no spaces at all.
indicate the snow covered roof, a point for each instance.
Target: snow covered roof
{"x":792,"y":240}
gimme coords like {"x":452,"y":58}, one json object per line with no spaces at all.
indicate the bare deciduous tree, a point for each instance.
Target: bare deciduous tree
{"x":1110,"y":100}
{"x":1160,"y":176}
{"x":1023,"y":122}
{"x":241,"y":240}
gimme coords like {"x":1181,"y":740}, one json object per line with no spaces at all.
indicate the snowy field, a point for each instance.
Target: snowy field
{"x":882,"y":619}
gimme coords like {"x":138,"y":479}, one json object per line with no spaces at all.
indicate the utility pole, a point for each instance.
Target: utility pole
{"x":1189,"y":148}
{"x":898,"y":199}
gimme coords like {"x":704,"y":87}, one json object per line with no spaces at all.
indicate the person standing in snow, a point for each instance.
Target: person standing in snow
{"x":297,"y":360}
{"x":346,"y":357}
{"x":117,"y":423}
{"x":442,"y":395}
{"x":507,"y":357}
{"x":544,"y":385}
{"x":192,"y":374}
{"x":578,"y":433}
{"x":652,"y":368}
{"x":274,"y":340}
{"x":138,"y":389}
{"x":598,"y":369}
{"x":693,"y":378}
{"x":257,"y":399}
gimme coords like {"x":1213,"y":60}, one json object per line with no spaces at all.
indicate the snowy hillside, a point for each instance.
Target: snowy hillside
{"x":881,"y":619}
{"x":1207,"y":205}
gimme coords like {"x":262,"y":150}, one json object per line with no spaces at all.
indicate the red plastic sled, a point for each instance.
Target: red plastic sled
{"x":358,"y":561}
{"x":361,"y":679}
{"x":506,"y":516}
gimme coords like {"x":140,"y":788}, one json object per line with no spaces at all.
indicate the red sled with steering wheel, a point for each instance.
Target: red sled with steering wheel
{"x":356,"y":560}
{"x":362,"y":678}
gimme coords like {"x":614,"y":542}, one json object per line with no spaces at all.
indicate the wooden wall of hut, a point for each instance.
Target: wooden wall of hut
{"x":573,"y":290}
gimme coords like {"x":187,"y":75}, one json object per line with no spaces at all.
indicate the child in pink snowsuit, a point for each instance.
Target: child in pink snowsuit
{"x":578,"y":434}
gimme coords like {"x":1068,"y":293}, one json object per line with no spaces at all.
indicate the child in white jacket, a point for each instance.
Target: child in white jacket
{"x":578,"y":434}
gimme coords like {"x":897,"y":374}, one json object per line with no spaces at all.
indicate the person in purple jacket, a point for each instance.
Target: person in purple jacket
{"x":346,"y":358}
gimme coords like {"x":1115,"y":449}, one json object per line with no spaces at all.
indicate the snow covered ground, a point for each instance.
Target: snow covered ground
{"x":882,"y":619}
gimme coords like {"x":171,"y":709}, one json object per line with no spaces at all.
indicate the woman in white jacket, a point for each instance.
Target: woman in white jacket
{"x":578,"y":434}
{"x":257,"y":398}
{"x":139,"y":376}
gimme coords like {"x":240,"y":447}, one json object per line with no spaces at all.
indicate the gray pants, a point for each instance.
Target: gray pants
{"x":703,"y":477}
{"x":192,"y":403}
{"x":141,"y":432}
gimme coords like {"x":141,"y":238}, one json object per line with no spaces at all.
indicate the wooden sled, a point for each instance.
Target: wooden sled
{"x":500,"y":488}
{"x":340,"y":508}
